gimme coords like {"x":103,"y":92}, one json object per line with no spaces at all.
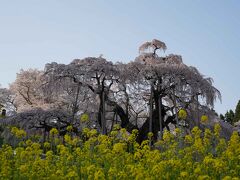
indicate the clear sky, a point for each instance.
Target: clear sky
{"x":205,"y":33}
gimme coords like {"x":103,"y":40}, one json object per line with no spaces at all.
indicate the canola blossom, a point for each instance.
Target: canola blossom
{"x":84,"y":118}
{"x":204,"y":119}
{"x":199,"y":155}
{"x":182,"y":114}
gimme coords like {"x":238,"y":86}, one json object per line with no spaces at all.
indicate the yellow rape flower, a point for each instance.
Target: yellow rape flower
{"x":84,"y":118}
{"x":28,"y":142}
{"x":69,"y":128}
{"x":227,"y":178}
{"x":204,"y":119}
{"x":53,"y":131}
{"x":68,"y":139}
{"x":47,"y":145}
{"x":182,"y":114}
{"x":217,"y":129}
{"x":71,"y":175}
{"x":119,"y":147}
{"x":21,"y":133}
{"x":150,"y":135}
{"x":23,"y":168}
{"x":99,"y":175}
{"x":184,"y":174}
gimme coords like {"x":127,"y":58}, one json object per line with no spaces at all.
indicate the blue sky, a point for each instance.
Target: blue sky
{"x":205,"y":33}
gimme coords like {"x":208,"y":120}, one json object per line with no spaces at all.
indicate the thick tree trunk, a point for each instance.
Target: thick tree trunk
{"x":75,"y":105}
{"x":160,"y":117}
{"x":143,"y":131}
{"x":151,"y":111}
{"x":160,"y":108}
{"x":103,"y":119}
{"x":175,"y":108}
{"x":125,"y":123}
{"x":198,"y":114}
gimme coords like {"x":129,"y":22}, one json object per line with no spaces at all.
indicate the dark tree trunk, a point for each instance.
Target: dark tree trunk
{"x":125,"y":123}
{"x":151,"y":110}
{"x":143,"y":131}
{"x":75,"y":105}
{"x":103,"y":118}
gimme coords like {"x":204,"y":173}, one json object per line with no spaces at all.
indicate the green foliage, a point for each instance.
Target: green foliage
{"x":237,"y":112}
{"x":232,"y":117}
{"x":229,"y":116}
{"x":221,"y":116}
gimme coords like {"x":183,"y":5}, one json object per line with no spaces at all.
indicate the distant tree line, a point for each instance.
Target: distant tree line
{"x":232,"y":116}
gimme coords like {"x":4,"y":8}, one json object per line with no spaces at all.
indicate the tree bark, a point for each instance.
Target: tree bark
{"x":151,"y":110}
{"x":75,"y":105}
{"x":103,"y":119}
{"x":175,"y":107}
{"x":160,"y":109}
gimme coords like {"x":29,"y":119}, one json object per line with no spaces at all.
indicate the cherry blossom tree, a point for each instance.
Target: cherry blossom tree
{"x":27,"y":90}
{"x":173,"y":84}
{"x":95,"y":75}
{"x":7,"y":100}
{"x":144,"y":94}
